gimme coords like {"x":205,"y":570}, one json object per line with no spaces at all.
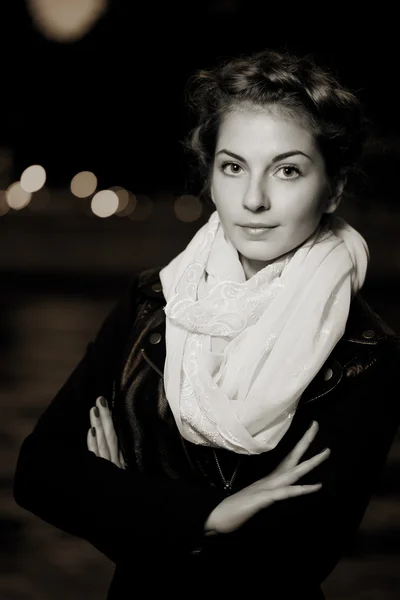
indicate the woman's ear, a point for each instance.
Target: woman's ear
{"x":335,"y":195}
{"x":212,"y":195}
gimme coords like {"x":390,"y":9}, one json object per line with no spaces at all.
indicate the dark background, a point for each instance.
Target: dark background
{"x":113,"y":103}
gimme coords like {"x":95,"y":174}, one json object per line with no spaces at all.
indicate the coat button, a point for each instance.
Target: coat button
{"x":156,"y":287}
{"x":328,"y":374}
{"x":155,"y":338}
{"x":368,"y":334}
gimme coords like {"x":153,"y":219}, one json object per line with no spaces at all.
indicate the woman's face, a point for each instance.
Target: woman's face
{"x":268,"y":170}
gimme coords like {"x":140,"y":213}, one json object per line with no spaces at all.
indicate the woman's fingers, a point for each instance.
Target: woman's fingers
{"x":102,"y":444}
{"x":235,"y":510}
{"x":105,"y":442}
{"x":295,"y":473}
{"x":282,"y":493}
{"x":298,"y":451}
{"x":108,"y":429}
{"x":302,"y":445}
{"x":291,"y":491}
{"x":92,"y":441}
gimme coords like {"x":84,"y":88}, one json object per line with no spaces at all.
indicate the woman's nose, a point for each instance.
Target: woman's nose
{"x":256,"y":195}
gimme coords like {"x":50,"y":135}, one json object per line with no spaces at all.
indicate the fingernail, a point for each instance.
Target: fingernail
{"x":96,"y":412}
{"x":326,"y":451}
{"x":103,"y":401}
{"x":313,"y":425}
{"x":93,"y":430}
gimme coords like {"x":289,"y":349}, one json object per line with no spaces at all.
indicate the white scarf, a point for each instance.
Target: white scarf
{"x":239,"y":354}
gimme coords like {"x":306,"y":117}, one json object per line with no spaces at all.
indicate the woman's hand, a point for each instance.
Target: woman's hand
{"x":235,"y":510}
{"x":101,"y":438}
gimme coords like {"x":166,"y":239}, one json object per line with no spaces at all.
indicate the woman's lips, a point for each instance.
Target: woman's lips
{"x":256,"y":231}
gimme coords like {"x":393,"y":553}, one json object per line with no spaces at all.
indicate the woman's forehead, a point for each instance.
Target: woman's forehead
{"x":264,"y":132}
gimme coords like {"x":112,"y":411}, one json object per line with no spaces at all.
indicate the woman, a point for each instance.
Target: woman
{"x":235,"y":398}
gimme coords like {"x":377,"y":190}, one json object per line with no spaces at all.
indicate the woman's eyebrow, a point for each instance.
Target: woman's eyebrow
{"x":276,"y":158}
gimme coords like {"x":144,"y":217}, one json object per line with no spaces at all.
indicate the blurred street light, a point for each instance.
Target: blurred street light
{"x":65,"y":21}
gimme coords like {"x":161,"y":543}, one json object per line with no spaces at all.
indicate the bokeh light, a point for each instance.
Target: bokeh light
{"x":143,"y":208}
{"x":65,"y":21}
{"x":188,"y":208}
{"x":129,"y":208}
{"x":33,"y":178}
{"x":123,"y":197}
{"x":16,"y":197}
{"x":83,"y":184}
{"x":4,"y":208}
{"x":104,"y":203}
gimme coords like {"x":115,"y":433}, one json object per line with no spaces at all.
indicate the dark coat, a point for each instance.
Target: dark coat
{"x":149,"y":518}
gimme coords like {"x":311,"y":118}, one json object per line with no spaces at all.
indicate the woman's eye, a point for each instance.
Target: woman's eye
{"x":231,"y":168}
{"x":289,"y":172}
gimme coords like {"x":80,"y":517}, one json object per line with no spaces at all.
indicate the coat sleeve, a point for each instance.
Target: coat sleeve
{"x":61,"y":482}
{"x":302,"y":539}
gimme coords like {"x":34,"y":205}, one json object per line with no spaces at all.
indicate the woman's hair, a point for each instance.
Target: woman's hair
{"x":295,"y":85}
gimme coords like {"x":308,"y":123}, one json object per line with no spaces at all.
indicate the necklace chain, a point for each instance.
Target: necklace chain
{"x":227,"y":483}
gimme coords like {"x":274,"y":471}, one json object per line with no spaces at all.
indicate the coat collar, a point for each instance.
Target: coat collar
{"x":364,"y":330}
